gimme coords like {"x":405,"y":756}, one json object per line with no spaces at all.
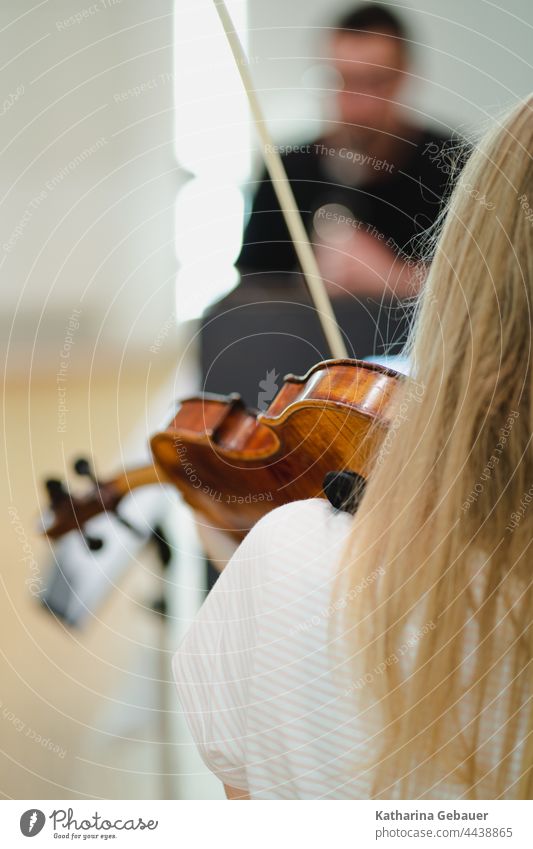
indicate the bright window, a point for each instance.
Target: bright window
{"x":213,"y":146}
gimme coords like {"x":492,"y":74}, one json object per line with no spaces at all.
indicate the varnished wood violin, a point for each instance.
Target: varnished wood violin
{"x":232,"y":465}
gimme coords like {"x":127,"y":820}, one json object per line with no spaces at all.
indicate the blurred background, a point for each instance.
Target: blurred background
{"x":127,"y":161}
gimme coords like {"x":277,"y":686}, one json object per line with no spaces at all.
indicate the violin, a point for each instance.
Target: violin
{"x":318,"y":437}
{"x":232,"y":466}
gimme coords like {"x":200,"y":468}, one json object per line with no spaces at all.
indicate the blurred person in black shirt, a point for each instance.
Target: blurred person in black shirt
{"x":371,"y":185}
{"x":367,"y":189}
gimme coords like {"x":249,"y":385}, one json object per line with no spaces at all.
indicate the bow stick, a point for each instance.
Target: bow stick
{"x":285,"y":195}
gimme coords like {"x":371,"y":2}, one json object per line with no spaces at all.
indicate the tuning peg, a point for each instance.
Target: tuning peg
{"x":92,"y":543}
{"x":57,"y":492}
{"x":83,"y":468}
{"x":159,"y":538}
{"x":127,"y":524}
{"x":160,"y":606}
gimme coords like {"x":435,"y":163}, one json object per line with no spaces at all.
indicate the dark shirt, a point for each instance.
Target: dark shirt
{"x":268,"y":323}
{"x":400,"y":204}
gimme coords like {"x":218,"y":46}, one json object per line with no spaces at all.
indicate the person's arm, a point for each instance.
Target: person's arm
{"x":365,"y":265}
{"x":213,"y":668}
{"x":362,"y":264}
{"x":221,"y":665}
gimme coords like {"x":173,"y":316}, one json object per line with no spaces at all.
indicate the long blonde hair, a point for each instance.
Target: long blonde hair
{"x":446,"y":516}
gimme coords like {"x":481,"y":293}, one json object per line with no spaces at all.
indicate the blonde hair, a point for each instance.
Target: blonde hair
{"x":446,"y":513}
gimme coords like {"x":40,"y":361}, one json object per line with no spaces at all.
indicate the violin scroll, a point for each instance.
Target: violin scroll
{"x":70,"y":512}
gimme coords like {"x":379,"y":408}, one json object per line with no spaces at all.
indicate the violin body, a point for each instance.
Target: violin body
{"x":233,"y":466}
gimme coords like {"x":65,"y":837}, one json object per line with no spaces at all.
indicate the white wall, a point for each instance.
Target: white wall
{"x":101,"y":238}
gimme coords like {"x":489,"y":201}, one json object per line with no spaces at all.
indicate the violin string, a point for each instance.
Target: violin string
{"x":285,"y":195}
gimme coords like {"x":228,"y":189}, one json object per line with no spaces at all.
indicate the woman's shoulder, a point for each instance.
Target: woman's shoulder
{"x":293,"y":550}
{"x":308,"y":533}
{"x":304,"y":511}
{"x":299,"y":519}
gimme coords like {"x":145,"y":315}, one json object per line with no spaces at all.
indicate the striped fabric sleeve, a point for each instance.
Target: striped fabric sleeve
{"x":213,"y":665}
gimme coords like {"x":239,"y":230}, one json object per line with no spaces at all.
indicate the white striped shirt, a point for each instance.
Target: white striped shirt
{"x":269,"y":706}
{"x":253,"y":672}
